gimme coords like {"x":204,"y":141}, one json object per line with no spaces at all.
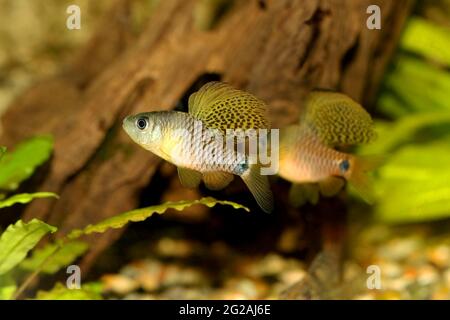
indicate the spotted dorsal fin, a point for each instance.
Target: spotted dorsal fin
{"x":223,"y":107}
{"x":337,"y":119}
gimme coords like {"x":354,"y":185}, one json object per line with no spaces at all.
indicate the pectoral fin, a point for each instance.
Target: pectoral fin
{"x":300,"y":194}
{"x":331,"y":186}
{"x":217,"y":180}
{"x":189,"y":178}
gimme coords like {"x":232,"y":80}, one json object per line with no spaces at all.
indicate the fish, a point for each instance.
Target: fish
{"x":307,"y":150}
{"x":194,"y":141}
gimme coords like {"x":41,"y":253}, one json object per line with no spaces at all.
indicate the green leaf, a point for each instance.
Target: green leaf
{"x":414,"y":185}
{"x":406,"y":130}
{"x":7,"y":286}
{"x":60,"y":257}
{"x":25,"y":198}
{"x":18,"y":239}
{"x":61,"y":292}
{"x":144,"y":213}
{"x":20,"y":164}
{"x":415,"y":86}
{"x":427,"y":39}
{"x":2,"y":152}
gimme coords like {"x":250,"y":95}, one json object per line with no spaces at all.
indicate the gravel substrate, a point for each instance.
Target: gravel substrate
{"x":414,"y":263}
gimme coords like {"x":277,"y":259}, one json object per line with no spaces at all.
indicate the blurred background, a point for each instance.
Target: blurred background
{"x":129,"y":56}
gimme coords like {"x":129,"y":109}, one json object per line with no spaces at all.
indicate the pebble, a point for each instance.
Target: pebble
{"x":271,"y":264}
{"x":389,"y":269}
{"x":446,"y":277}
{"x":119,"y":284}
{"x":290,"y":277}
{"x":442,"y":292}
{"x":439,"y":255}
{"x":411,"y":268}
{"x":414,"y":263}
{"x":427,"y":275}
{"x":170,"y":247}
{"x":399,"y":249}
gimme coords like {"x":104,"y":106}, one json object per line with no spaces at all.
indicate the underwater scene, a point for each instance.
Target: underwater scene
{"x":224,"y":150}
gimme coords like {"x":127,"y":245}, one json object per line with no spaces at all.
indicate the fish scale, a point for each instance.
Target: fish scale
{"x":312,"y":160}
{"x":195,"y":150}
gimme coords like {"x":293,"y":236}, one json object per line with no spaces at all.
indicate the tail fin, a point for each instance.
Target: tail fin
{"x":359,"y":178}
{"x":259,"y":187}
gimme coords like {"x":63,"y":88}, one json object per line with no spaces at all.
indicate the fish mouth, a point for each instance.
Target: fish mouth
{"x":126,"y":121}
{"x":127,"y":124}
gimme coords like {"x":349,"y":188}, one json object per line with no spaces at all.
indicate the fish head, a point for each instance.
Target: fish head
{"x":144,"y":129}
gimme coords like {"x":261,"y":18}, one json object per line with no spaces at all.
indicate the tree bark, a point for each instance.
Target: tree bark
{"x":277,"y":50}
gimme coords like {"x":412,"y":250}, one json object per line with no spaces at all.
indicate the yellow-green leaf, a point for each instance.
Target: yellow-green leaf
{"x":416,"y":86}
{"x":144,"y":213}
{"x":61,"y":292}
{"x":2,"y":152}
{"x":60,"y":257}
{"x":427,"y":39}
{"x":19,"y":165}
{"x":7,"y":286}
{"x":413,"y":186}
{"x":25,"y":198}
{"x":392,"y":135}
{"x":18,"y":239}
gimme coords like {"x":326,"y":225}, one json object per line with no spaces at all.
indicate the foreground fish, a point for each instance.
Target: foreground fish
{"x":194,"y":141}
{"x":307,"y":154}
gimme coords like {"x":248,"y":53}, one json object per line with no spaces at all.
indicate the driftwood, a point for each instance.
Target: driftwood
{"x":278,"y":50}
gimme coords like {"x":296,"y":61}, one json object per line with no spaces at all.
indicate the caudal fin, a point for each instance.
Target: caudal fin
{"x":259,"y":187}
{"x":359,"y":178}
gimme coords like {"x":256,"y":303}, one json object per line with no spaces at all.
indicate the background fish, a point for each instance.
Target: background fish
{"x":307,"y":154}
{"x":194,"y":141}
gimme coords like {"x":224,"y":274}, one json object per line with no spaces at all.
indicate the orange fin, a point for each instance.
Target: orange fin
{"x":331,"y":186}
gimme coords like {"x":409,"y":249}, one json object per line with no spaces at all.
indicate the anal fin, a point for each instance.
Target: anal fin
{"x":331,"y":186}
{"x":217,"y":180}
{"x":300,"y":194}
{"x":189,"y":178}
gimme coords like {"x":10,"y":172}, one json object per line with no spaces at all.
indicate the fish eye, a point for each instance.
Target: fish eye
{"x":344,"y":166}
{"x":142,"y":123}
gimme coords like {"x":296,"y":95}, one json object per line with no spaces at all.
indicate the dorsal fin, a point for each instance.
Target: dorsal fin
{"x":337,"y":119}
{"x":223,"y":107}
